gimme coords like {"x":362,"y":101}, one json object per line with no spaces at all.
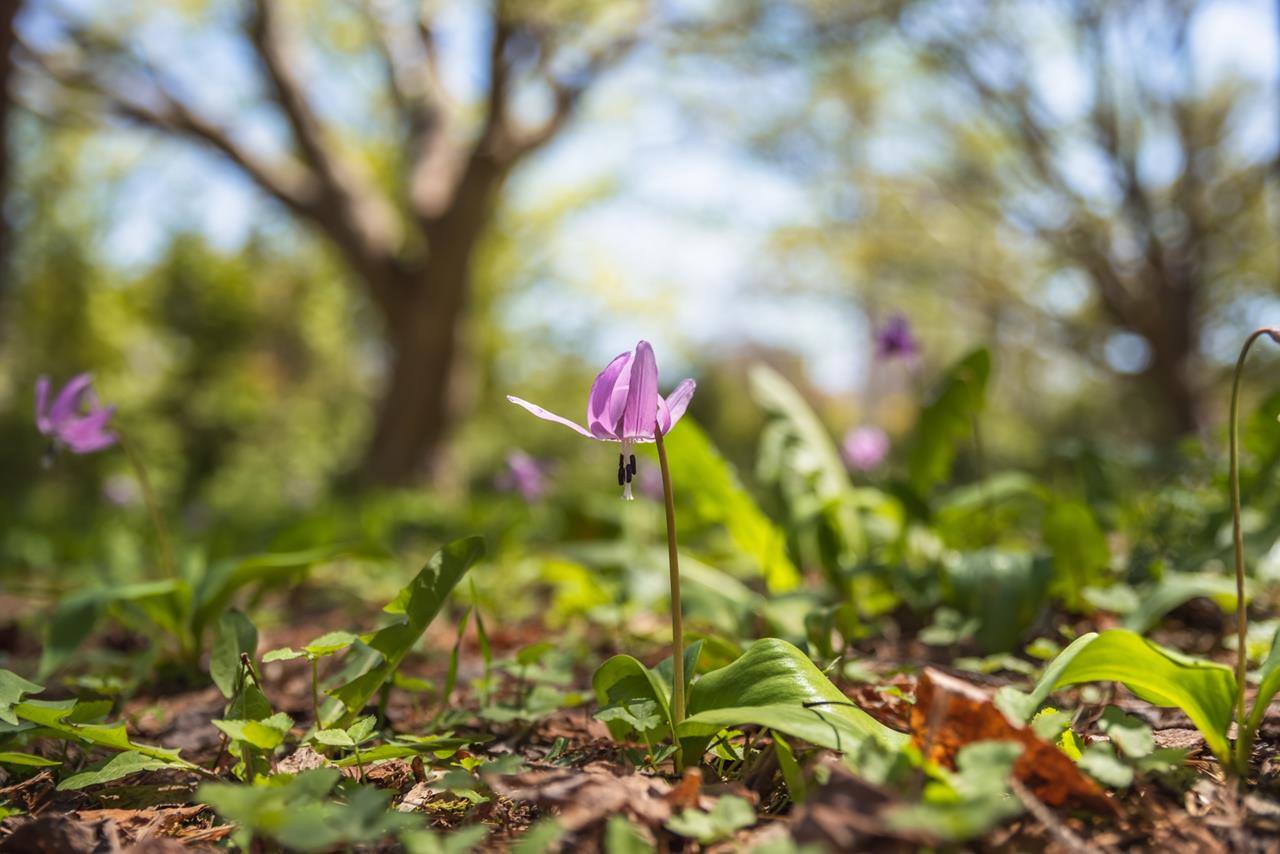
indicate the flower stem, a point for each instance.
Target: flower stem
{"x":1243,"y":736}
{"x":149,"y":496}
{"x":677,"y":620}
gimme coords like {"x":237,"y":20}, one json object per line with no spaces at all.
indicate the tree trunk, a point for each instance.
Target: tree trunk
{"x":8,"y":13}
{"x":416,"y":409}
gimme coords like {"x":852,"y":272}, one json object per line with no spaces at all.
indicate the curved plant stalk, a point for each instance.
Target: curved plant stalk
{"x":677,"y":620}
{"x":149,"y":496}
{"x":1244,"y":737}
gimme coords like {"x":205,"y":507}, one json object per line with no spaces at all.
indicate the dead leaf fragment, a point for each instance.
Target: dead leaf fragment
{"x":951,"y":713}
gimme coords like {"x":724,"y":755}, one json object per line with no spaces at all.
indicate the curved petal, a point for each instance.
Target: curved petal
{"x":68,"y":400}
{"x":550,"y":416}
{"x":672,"y":409}
{"x":641,"y":411}
{"x":42,"y":405}
{"x":600,"y":421}
{"x":88,"y":434}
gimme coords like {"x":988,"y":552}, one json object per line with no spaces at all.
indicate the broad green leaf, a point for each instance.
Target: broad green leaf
{"x":12,"y":689}
{"x":621,"y":837}
{"x":120,"y":765}
{"x":775,"y":685}
{"x":1003,"y":592}
{"x":1079,"y":548}
{"x":1268,"y":685}
{"x":799,"y":458}
{"x":792,"y":773}
{"x":1019,"y":707}
{"x":947,"y":420}
{"x":11,"y":758}
{"x":622,"y":682}
{"x":233,"y":636}
{"x":730,"y":814}
{"x":334,"y":738}
{"x":418,"y":603}
{"x":710,"y":495}
{"x":285,"y":653}
{"x":330,"y":643}
{"x":1178,"y":588}
{"x":266,"y":734}
{"x":1205,"y":691}
{"x":53,"y":716}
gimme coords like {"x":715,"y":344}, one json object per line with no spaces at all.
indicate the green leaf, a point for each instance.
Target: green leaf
{"x":1127,"y":732}
{"x":1079,"y":548}
{"x":1205,"y":691}
{"x":1268,"y":686}
{"x":1019,"y":707}
{"x":330,"y":643}
{"x":792,"y":773}
{"x":622,"y":682}
{"x":1003,"y":592}
{"x":1175,"y":589}
{"x":711,"y":496}
{"x":234,"y":635}
{"x":10,"y":758}
{"x":283,"y":654}
{"x":1100,"y":762}
{"x":266,"y":734}
{"x":457,"y":841}
{"x":120,"y":765}
{"x":363,"y":729}
{"x":976,"y":801}
{"x":418,"y":603}
{"x":621,"y":837}
{"x":334,"y":738}
{"x":774,"y":684}
{"x":730,"y":814}
{"x":12,"y":689}
{"x":947,"y":420}
{"x":53,"y":716}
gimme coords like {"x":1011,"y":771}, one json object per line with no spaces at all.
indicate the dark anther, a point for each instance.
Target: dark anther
{"x":622,"y":472}
{"x":631,"y":466}
{"x":630,"y":471}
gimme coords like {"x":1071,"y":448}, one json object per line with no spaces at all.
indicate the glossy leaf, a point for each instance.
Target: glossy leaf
{"x":119,"y":766}
{"x":418,"y":603}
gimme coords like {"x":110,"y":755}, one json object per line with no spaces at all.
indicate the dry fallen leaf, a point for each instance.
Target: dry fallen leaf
{"x":950,"y":713}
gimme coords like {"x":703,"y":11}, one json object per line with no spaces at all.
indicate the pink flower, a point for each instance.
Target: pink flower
{"x":524,"y":475}
{"x":65,"y":423}
{"x":865,"y":448}
{"x":624,"y":406}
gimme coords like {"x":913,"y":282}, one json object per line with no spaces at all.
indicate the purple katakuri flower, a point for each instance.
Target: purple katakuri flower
{"x":624,"y":406}
{"x":865,"y":448}
{"x":894,"y":340}
{"x":524,"y":475}
{"x":75,"y":420}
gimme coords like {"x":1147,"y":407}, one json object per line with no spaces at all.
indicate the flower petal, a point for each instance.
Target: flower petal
{"x":549,"y":416}
{"x":42,"y":406}
{"x":67,"y":402}
{"x":88,"y":434}
{"x":641,"y":411}
{"x":602,"y":419}
{"x":671,"y":409}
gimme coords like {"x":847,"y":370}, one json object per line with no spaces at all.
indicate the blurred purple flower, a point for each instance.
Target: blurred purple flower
{"x":865,"y":448}
{"x":524,"y":475}
{"x":64,"y":422}
{"x":624,"y":406}
{"x":894,"y":340}
{"x":649,"y":482}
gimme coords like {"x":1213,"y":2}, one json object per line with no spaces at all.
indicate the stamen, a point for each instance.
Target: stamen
{"x":622,"y":472}
{"x":631,"y":467}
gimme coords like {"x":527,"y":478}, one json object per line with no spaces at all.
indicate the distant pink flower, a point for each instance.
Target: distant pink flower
{"x":75,"y":420}
{"x":895,"y":340}
{"x":524,"y":475}
{"x":865,"y":448}
{"x":624,"y":406}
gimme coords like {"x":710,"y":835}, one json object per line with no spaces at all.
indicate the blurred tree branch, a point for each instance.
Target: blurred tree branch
{"x":444,"y":197}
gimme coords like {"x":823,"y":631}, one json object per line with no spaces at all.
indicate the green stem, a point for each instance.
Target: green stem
{"x":1243,"y":735}
{"x":315,"y":691}
{"x":677,"y":618}
{"x":148,"y":496}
